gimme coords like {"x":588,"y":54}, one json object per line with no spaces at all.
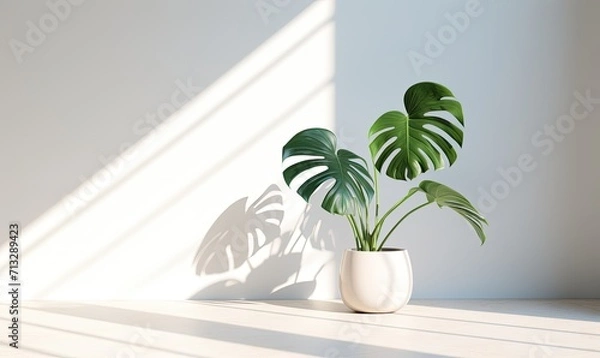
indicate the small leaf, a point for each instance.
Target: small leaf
{"x":444,"y":196}
{"x":353,"y":186}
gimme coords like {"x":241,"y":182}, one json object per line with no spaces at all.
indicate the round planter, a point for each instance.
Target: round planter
{"x":376,"y":281}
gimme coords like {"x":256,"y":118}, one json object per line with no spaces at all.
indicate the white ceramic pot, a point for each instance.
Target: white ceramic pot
{"x":376,"y":282}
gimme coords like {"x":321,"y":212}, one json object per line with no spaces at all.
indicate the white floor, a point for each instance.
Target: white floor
{"x":497,"y":328}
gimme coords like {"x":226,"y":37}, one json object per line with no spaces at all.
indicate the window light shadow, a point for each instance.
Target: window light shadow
{"x":570,"y":309}
{"x":120,"y":240}
{"x":96,"y":336}
{"x":226,"y":332}
{"x":135,"y":215}
{"x":247,"y":83}
{"x":379,"y":321}
{"x":495,"y":323}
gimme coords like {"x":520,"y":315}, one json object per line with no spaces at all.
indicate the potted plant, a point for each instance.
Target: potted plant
{"x":373,"y":277}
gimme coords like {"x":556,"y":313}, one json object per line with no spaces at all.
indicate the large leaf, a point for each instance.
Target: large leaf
{"x":447,"y":197}
{"x":320,"y":161}
{"x":413,"y":143}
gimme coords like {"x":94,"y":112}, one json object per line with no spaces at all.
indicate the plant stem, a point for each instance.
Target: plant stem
{"x":362,"y":229}
{"x":355,"y":231}
{"x":373,"y":237}
{"x":367,"y":231}
{"x":376,"y":180}
{"x":380,"y":222}
{"x":366,"y":220}
{"x":399,"y":221}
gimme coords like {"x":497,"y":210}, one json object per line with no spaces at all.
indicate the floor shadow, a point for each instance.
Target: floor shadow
{"x":571,"y":309}
{"x":494,"y":323}
{"x":313,"y":305}
{"x":95,"y":336}
{"x":225,"y":332}
{"x":338,"y":307}
{"x":243,"y":230}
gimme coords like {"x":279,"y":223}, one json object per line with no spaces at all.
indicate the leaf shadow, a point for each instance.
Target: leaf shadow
{"x":246,"y":231}
{"x":239,"y":232}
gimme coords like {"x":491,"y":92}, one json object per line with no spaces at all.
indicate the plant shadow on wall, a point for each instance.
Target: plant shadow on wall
{"x":247,"y":255}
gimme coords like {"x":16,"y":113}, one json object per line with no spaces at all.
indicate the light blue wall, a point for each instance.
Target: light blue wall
{"x":515,"y":68}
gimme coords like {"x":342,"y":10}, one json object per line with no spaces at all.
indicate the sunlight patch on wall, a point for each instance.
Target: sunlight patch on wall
{"x":222,"y":146}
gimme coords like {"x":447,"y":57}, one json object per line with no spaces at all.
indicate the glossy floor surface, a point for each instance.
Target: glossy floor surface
{"x":486,"y":328}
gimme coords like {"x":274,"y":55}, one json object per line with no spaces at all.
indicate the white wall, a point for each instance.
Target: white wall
{"x":258,"y":73}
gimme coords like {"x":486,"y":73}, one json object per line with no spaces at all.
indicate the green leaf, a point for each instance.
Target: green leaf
{"x":447,"y":197}
{"x":353,"y":186}
{"x":413,"y":143}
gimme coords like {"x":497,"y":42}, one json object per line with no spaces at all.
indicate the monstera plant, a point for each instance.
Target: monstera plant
{"x":403,"y":145}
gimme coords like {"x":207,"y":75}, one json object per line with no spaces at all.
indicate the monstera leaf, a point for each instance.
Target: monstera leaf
{"x":320,"y":161}
{"x":412,"y":143}
{"x":446,"y":197}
